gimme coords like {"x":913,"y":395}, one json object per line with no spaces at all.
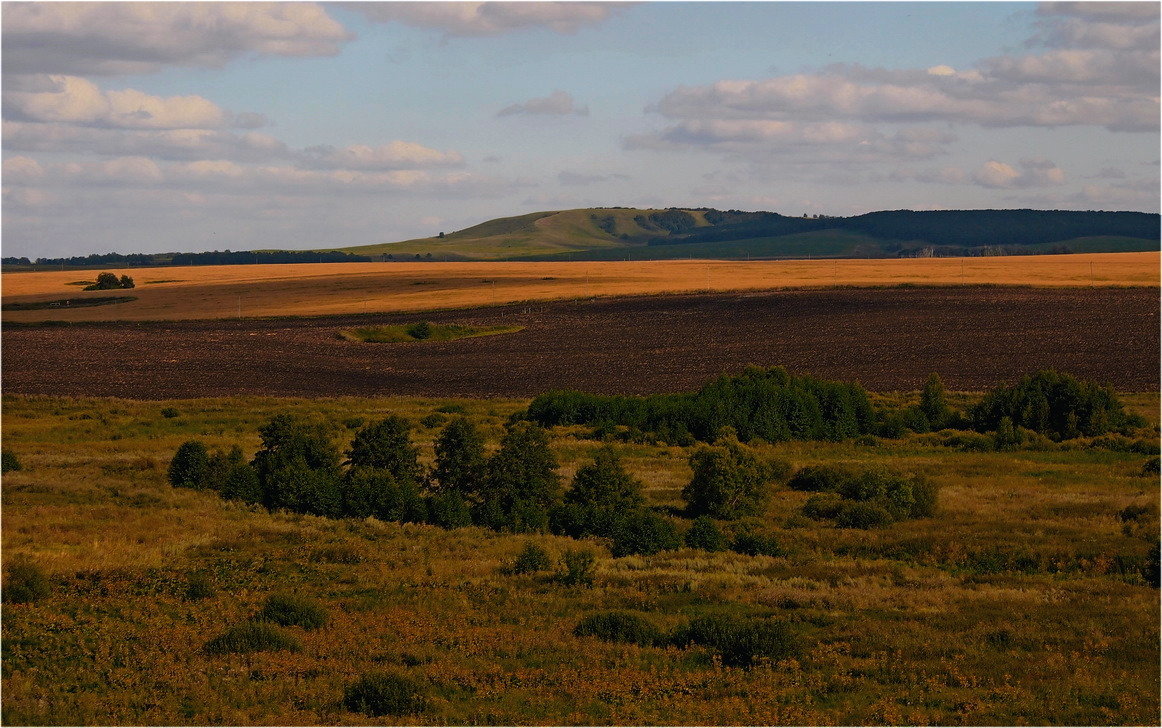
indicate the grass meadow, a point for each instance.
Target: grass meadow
{"x":1012,"y":606}
{"x":218,"y":292}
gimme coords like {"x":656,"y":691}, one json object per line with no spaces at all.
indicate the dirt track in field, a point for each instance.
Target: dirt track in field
{"x":888,"y":339}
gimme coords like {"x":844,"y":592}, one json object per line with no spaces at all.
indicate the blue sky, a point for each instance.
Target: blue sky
{"x":195,"y":126}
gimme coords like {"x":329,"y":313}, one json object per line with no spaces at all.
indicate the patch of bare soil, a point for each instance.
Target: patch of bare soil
{"x":887,"y":339}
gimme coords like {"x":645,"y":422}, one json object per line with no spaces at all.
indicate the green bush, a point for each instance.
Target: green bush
{"x":756,"y":544}
{"x":376,"y":492}
{"x":823,"y":506}
{"x":169,"y":413}
{"x":739,"y":642}
{"x":385,"y":693}
{"x":933,"y":404}
{"x":578,"y":566}
{"x":190,"y":467}
{"x":619,"y":627}
{"x":531,"y":559}
{"x":435,"y":419}
{"x":9,"y":461}
{"x":729,"y":481}
{"x":643,"y":532}
{"x":704,"y":534}
{"x":862,"y":515}
{"x":252,"y":637}
{"x":298,"y":467}
{"x":24,"y":583}
{"x":822,"y":478}
{"x":449,"y":510}
{"x":289,"y":610}
{"x":420,"y":331}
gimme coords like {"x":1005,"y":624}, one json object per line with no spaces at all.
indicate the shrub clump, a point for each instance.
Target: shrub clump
{"x":644,"y":532}
{"x":729,"y":481}
{"x":254,"y":636}
{"x":862,"y":515}
{"x":24,"y":583}
{"x":531,"y":559}
{"x":704,"y":534}
{"x":385,"y":693}
{"x":109,"y":281}
{"x":289,"y":610}
{"x":739,"y":642}
{"x":577,"y":567}
{"x":1153,"y":466}
{"x":619,"y":627}
{"x":756,"y":544}
{"x":9,"y":461}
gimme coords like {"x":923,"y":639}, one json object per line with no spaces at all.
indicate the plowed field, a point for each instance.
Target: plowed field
{"x":888,"y":339}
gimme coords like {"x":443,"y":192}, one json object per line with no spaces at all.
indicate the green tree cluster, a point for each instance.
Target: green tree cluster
{"x":1057,"y":405}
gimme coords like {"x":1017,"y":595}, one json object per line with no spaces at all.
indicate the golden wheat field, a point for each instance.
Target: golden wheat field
{"x":210,"y":292}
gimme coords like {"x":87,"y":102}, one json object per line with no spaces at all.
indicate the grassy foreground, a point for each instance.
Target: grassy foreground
{"x":924,"y":621}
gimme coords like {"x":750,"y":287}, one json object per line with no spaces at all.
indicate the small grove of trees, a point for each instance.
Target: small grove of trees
{"x":730,"y":481}
{"x":109,"y":281}
{"x":1053,"y":404}
{"x":761,"y":403}
{"x":299,"y":469}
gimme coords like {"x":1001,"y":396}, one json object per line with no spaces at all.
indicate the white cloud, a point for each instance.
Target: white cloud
{"x":166,"y":144}
{"x":22,"y":170}
{"x":557,"y":103}
{"x":396,"y":155}
{"x":1028,"y":173}
{"x":74,"y":100}
{"x":142,"y":37}
{"x":489,"y":18}
{"x":1099,"y":66}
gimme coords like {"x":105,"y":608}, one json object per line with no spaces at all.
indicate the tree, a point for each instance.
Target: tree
{"x":522,"y":482}
{"x":386,"y":445}
{"x":377,"y":492}
{"x":190,"y":466}
{"x":298,"y":467}
{"x":126,"y":282}
{"x":729,"y":481}
{"x":602,"y":496}
{"x":105,"y":281}
{"x":460,"y":461}
{"x":933,"y":404}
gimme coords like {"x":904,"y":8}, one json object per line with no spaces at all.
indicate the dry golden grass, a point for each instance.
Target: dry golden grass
{"x":209,"y":292}
{"x":891,"y":638}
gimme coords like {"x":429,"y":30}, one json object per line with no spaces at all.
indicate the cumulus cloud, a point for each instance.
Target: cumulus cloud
{"x":166,"y":144}
{"x":221,"y":175}
{"x":489,"y":18}
{"x":75,"y":100}
{"x":822,"y":141}
{"x":396,"y":155}
{"x":557,"y":103}
{"x":142,"y":37}
{"x":1028,"y":173}
{"x":1098,"y":65}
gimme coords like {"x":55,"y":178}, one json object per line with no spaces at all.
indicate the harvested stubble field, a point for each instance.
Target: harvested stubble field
{"x":888,"y":339}
{"x":217,"y":292}
{"x":910,"y":624}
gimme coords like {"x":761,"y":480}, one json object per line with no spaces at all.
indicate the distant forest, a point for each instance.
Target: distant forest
{"x":962,"y":228}
{"x":224,"y":257}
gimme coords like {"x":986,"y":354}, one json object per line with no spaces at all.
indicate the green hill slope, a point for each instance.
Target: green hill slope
{"x":653,"y":234}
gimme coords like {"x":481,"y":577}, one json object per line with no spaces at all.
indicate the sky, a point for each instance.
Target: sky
{"x":161,"y":127}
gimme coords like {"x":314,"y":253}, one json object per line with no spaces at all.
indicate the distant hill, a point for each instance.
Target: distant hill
{"x":621,"y":233}
{"x":660,"y":234}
